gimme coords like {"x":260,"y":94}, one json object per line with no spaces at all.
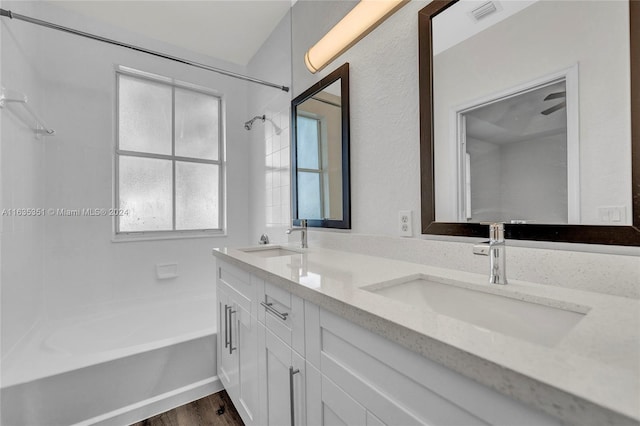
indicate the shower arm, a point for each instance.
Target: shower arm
{"x":249,"y":124}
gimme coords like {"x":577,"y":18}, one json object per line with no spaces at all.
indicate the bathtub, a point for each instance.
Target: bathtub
{"x":112,"y":365}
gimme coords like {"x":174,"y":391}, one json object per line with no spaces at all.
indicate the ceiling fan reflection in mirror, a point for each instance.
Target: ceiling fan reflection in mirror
{"x":558,"y":107}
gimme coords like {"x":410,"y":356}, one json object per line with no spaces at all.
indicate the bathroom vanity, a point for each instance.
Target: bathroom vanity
{"x":318,"y":336}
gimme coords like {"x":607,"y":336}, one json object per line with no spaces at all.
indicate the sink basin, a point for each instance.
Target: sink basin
{"x":537,"y":323}
{"x":269,"y":251}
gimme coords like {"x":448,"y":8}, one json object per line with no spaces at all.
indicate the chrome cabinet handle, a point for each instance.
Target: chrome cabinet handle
{"x":292,"y":372}
{"x":269,"y":307}
{"x":226,"y":326}
{"x":231,"y":348}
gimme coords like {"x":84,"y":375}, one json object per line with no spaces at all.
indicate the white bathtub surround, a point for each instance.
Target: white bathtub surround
{"x":613,"y":274}
{"x":23,"y":164}
{"x":124,"y":361}
{"x":589,"y":378}
{"x":78,"y":310}
{"x":277,"y":167}
{"x":269,"y":171}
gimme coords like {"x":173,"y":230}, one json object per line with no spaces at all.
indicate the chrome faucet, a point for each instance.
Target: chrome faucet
{"x":264,"y":239}
{"x":495,"y":249}
{"x":303,"y":230}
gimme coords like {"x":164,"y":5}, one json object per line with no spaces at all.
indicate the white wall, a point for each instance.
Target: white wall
{"x":385,"y":166}
{"x":519,"y":180}
{"x":270,"y":192}
{"x":384,"y":128}
{"x":534,"y":176}
{"x":518,"y":50}
{"x":82,"y":266}
{"x":22,"y":180}
{"x":485,"y":176}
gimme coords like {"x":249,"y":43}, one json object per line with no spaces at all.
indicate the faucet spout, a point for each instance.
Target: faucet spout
{"x":495,"y":249}
{"x":303,"y":232}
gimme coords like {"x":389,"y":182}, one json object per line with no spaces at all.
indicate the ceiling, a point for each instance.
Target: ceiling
{"x":456,"y":24}
{"x":231,"y":30}
{"x":518,"y":118}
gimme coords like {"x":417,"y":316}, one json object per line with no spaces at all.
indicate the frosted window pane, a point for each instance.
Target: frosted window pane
{"x":196,"y":196}
{"x":144,"y":116}
{"x":145,"y":190}
{"x":309,"y":202}
{"x":307,"y":143}
{"x":196,"y":128}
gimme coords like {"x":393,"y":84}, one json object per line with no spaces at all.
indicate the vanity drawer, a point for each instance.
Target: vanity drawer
{"x":240,"y":282}
{"x":283,"y":314}
{"x":401,"y":387}
{"x":277,"y":311}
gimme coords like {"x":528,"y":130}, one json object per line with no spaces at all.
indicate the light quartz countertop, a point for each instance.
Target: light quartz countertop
{"x":590,"y":377}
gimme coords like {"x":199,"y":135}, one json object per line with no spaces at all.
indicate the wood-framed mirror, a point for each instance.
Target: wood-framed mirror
{"x":320,"y":182}
{"x":454,"y":200}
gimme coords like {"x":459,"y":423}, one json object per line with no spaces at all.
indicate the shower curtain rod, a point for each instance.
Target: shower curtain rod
{"x":11,"y":15}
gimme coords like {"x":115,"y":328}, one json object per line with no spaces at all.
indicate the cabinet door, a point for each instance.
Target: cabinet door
{"x":330,"y":405}
{"x":284,"y":383}
{"x":338,"y":408}
{"x":245,"y":337}
{"x":226,"y":370}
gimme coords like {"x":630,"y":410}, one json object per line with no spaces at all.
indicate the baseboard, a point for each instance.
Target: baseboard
{"x":158,"y":404}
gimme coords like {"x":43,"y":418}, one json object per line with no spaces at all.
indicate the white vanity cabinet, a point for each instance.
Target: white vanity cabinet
{"x":364,"y":378}
{"x":282,"y":357}
{"x":288,"y":362}
{"x":283,"y":382}
{"x":237,"y":345}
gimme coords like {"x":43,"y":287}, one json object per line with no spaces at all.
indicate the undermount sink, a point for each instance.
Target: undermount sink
{"x":269,"y":251}
{"x":530,"y":321}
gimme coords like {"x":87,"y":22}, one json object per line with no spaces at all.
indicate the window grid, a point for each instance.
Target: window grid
{"x":173,"y":158}
{"x":173,"y":154}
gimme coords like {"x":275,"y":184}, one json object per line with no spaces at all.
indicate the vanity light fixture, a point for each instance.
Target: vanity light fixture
{"x":359,"y":22}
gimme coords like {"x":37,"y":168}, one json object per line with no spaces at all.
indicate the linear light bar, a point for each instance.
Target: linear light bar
{"x":359,"y":22}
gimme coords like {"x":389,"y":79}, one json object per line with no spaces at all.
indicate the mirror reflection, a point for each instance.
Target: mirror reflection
{"x":320,"y":153}
{"x":532,"y":117}
{"x":514,"y":153}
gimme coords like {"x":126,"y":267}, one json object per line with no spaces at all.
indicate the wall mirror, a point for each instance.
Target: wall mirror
{"x":535,"y":125}
{"x":320,"y":188}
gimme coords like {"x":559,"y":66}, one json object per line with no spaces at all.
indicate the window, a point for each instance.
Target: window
{"x":168,"y":157}
{"x":310,"y":171}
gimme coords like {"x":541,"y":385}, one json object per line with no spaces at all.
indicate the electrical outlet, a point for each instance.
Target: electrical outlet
{"x":404,"y":223}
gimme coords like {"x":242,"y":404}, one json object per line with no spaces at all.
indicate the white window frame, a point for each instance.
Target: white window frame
{"x":220,"y":162}
{"x":321,"y":170}
{"x":457,"y":137}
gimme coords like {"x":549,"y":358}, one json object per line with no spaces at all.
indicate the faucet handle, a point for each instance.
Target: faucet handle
{"x":303,"y":223}
{"x":496,"y":231}
{"x":481,"y":249}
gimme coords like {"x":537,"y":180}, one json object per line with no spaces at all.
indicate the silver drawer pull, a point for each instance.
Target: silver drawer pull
{"x":269,"y":307}
{"x":226,"y":325}
{"x":291,"y":397}
{"x":231,"y":348}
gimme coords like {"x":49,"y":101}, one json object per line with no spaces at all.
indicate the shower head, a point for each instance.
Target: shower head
{"x":249,"y":123}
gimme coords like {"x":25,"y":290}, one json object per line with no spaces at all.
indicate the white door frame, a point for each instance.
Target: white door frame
{"x":458,"y":136}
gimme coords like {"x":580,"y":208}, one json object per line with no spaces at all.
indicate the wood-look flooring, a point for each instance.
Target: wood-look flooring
{"x":203,"y":412}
